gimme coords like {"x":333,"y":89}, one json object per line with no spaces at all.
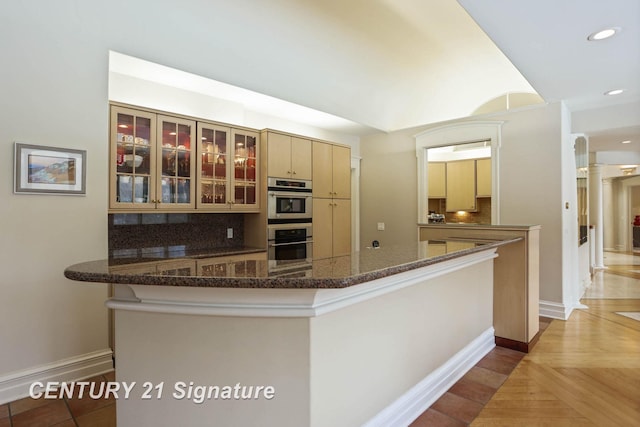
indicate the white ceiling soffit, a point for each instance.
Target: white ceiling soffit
{"x":547,"y":41}
{"x":252,"y":101}
{"x":380,"y":64}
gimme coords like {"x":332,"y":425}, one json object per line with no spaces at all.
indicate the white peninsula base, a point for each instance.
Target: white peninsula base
{"x":377,"y":353}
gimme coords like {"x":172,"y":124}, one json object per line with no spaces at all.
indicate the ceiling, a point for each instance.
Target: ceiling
{"x":384,"y":65}
{"x":547,"y":41}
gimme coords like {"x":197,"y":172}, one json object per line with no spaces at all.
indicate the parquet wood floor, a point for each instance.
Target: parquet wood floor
{"x":583,"y":372}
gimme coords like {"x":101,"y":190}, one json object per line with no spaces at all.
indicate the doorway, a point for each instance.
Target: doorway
{"x":487,"y":133}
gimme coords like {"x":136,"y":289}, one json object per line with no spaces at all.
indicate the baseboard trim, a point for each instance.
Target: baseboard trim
{"x":16,"y":385}
{"x":419,"y":398}
{"x":555,"y":310}
{"x":524,"y":347}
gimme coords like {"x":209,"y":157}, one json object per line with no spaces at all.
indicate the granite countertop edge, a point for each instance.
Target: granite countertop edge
{"x":85,"y":273}
{"x":477,"y":225}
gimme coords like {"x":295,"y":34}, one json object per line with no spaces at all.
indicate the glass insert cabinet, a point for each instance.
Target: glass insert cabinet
{"x":156,"y":164}
{"x":227,"y":165}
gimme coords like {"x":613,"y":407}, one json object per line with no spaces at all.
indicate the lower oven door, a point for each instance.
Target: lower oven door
{"x":289,"y":251}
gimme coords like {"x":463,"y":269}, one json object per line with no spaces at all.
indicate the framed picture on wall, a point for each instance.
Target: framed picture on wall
{"x":49,"y":170}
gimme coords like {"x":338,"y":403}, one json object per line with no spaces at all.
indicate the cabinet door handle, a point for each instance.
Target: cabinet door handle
{"x":294,"y":172}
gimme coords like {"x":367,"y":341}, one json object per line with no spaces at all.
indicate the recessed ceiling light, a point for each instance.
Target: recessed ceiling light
{"x":625,"y":142}
{"x":603,"y":34}
{"x":614,"y":92}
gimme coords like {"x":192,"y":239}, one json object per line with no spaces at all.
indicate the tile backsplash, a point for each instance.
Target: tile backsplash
{"x":182,"y":231}
{"x":481,"y":216}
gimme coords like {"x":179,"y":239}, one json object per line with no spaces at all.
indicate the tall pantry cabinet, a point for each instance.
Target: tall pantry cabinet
{"x":331,"y":200}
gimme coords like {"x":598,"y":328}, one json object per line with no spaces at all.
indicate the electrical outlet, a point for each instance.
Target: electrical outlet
{"x":229,"y":233}
{"x":381,"y":226}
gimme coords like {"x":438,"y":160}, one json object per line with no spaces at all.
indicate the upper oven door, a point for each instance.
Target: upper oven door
{"x":289,"y":205}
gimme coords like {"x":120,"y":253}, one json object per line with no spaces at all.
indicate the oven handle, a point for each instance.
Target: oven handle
{"x":289,"y":195}
{"x":290,"y":243}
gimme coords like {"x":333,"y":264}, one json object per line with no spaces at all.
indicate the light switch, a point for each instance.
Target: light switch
{"x":381,"y":226}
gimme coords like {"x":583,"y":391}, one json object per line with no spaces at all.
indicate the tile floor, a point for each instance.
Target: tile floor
{"x":74,"y":412}
{"x":466,"y":398}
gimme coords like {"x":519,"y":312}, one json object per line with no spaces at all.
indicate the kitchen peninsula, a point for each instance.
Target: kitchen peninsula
{"x":371,"y":338}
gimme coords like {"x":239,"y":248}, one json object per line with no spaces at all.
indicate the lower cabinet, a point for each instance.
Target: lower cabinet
{"x":331,"y":227}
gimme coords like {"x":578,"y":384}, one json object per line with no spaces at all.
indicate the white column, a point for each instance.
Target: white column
{"x":595,"y":212}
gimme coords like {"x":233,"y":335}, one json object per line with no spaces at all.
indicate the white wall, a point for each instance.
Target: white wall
{"x":388,"y":191}
{"x":572,"y":268}
{"x":533,"y":188}
{"x":55,"y":92}
{"x":54,"y":87}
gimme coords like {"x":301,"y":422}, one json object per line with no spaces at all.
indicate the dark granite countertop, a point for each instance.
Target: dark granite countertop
{"x":210,"y":270}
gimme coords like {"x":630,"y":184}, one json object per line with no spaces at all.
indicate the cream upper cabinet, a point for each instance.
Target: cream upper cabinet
{"x":301,"y":158}
{"x":331,"y":228}
{"x":176,"y":163}
{"x":288,"y":156}
{"x":152,"y":163}
{"x":132,"y":159}
{"x":461,"y":185}
{"x":437,"y":180}
{"x":331,"y":171}
{"x":227,"y":167}
{"x":483,"y":177}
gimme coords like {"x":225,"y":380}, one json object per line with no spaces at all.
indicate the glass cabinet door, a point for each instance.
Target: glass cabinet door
{"x":132,"y":153}
{"x":244,"y":168}
{"x":213,"y":162}
{"x":176,"y":138}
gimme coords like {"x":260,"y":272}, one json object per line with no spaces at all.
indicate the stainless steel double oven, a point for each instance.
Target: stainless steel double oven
{"x":289,"y":229}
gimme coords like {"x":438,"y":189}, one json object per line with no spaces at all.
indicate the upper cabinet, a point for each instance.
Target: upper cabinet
{"x":156,"y":164}
{"x":461,"y":185}
{"x":151,"y":161}
{"x":331,"y":171}
{"x":227,"y":168}
{"x":288,"y":156}
{"x":437,"y":180}
{"x":175,"y":163}
{"x":483,"y":177}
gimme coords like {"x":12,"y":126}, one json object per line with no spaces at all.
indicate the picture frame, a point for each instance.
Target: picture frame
{"x":49,"y":170}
